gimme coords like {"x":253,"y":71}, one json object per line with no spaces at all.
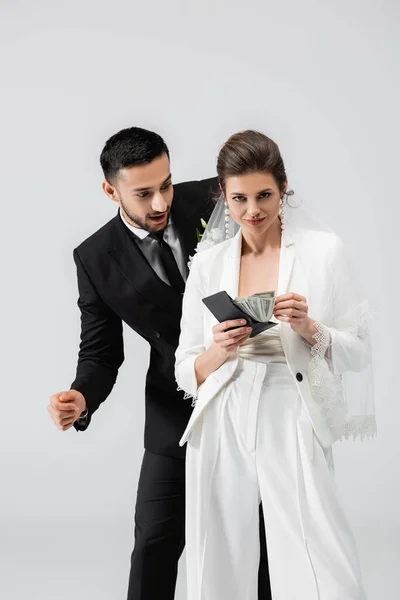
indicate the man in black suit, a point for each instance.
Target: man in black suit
{"x":133,"y":270}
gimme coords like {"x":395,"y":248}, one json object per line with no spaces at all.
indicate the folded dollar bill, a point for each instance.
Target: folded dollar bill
{"x":259,"y":306}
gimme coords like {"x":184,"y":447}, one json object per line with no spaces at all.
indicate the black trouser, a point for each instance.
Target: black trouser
{"x":160,"y":531}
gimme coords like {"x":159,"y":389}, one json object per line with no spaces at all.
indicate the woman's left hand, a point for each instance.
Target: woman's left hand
{"x":293,"y":309}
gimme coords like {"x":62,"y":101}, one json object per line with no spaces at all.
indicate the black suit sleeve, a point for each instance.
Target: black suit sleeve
{"x":101,"y":350}
{"x":207,"y":187}
{"x":202,"y":195}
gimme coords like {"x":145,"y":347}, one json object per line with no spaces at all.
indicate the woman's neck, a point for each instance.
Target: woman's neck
{"x":260,"y":244}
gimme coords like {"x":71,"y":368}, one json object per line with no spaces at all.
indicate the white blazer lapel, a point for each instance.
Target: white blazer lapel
{"x":286,"y":261}
{"x":229,"y":280}
{"x":291,"y":279}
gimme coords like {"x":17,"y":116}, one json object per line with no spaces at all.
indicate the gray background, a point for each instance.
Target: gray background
{"x":319,"y":78}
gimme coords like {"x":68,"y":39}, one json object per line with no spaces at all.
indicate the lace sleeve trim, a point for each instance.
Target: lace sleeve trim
{"x":187,"y":396}
{"x":325,"y":386}
{"x":323,"y":339}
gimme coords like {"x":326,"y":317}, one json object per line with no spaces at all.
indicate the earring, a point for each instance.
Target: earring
{"x":227,"y":218}
{"x":282,"y":214}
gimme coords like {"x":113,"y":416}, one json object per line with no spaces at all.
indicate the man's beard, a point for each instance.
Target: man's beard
{"x":143,"y":224}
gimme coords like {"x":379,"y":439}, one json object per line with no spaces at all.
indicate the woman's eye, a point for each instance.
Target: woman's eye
{"x":265,"y":195}
{"x":239,"y":198}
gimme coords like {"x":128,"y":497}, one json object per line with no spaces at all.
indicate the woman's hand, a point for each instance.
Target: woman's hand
{"x":293,"y":309}
{"x":228,"y":335}
{"x":225,"y":342}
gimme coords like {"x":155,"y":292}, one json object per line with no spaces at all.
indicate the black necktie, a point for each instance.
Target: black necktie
{"x":169,"y":263}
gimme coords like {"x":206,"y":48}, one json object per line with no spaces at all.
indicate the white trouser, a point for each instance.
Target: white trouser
{"x":267,"y":452}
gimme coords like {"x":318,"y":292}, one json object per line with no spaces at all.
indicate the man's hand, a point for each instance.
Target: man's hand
{"x":66,"y":407}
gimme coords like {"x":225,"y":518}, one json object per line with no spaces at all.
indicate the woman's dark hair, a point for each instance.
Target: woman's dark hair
{"x":130,"y":147}
{"x":249,"y":152}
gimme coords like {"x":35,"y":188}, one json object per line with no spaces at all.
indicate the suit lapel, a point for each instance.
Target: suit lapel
{"x":135,"y":268}
{"x":286,"y":262}
{"x":291,"y":279}
{"x":291,"y":274}
{"x":231,"y":266}
{"x":185,"y":228}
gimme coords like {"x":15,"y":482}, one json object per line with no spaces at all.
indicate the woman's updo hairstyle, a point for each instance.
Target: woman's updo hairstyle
{"x":250,"y":152}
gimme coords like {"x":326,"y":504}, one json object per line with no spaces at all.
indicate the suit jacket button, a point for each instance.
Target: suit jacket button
{"x":156,"y":334}
{"x":299,"y":377}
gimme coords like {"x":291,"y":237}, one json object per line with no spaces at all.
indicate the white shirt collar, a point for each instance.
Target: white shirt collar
{"x":141,"y":233}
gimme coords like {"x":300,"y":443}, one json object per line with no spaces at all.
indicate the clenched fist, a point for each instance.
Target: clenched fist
{"x":66,"y":407}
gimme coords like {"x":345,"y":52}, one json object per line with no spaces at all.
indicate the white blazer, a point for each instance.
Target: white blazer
{"x":307,"y":267}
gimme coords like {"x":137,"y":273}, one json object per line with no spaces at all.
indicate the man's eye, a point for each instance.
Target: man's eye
{"x":166,"y":186}
{"x":143,"y":194}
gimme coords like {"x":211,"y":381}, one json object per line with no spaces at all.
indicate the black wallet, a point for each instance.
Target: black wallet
{"x":222,"y":307}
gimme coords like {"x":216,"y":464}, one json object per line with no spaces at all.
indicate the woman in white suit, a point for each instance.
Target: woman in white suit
{"x":268,"y":408}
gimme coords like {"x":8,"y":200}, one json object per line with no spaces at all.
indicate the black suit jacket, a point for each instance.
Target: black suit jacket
{"x":117,"y":284}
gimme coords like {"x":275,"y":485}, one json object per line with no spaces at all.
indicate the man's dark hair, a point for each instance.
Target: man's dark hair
{"x":130,"y":147}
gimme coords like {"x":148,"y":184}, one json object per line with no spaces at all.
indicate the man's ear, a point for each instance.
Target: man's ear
{"x":110,"y":191}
